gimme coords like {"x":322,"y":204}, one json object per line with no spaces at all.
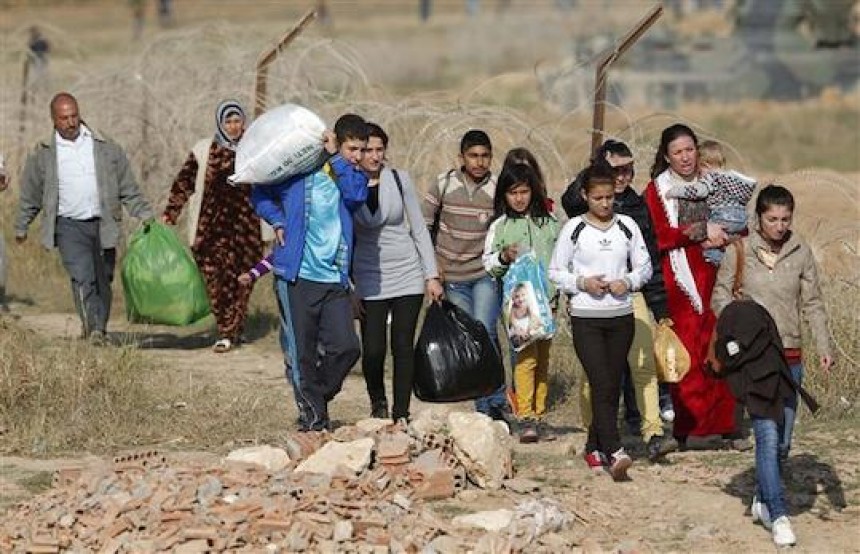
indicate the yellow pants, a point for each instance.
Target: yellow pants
{"x":530,"y":379}
{"x":643,"y":373}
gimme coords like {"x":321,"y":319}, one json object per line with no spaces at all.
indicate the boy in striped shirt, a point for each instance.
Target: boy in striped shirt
{"x":458,"y":210}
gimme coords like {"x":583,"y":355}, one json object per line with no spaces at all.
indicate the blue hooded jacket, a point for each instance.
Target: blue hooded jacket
{"x":285,"y":206}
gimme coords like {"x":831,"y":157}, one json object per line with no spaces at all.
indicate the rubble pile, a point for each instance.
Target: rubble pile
{"x":359,"y":489}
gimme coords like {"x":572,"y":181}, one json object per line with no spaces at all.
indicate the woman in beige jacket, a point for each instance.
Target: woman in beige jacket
{"x":780,"y":273}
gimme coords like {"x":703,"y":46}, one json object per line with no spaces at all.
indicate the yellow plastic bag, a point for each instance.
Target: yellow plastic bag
{"x":672,"y":358}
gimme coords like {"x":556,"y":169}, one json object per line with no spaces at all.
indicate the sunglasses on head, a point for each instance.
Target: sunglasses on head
{"x":623,"y":169}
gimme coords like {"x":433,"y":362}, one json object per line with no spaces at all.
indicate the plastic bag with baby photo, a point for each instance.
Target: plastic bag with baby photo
{"x":525,"y":307}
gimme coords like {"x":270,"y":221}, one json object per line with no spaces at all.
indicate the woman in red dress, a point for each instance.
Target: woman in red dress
{"x":703,"y":405}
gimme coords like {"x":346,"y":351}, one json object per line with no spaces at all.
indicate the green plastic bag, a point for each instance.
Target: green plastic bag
{"x":160,"y":280}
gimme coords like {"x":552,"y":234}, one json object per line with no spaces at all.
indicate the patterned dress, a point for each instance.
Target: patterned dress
{"x":228,"y":240}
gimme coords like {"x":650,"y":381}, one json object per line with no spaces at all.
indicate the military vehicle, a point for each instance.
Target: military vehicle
{"x":778,"y":50}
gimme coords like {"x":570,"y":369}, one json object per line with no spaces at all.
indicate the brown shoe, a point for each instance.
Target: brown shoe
{"x":528,"y":434}
{"x":546,"y":432}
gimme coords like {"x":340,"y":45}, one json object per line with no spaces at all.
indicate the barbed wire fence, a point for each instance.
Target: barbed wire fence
{"x":162,"y":101}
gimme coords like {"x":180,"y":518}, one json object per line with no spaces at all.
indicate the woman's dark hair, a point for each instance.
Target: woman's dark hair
{"x":611,"y":146}
{"x":669,"y":134}
{"x":773,"y":195}
{"x":516,"y":174}
{"x":374,"y":130}
{"x":597,"y":174}
{"x":522,"y":155}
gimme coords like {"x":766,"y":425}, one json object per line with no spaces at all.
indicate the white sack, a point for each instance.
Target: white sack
{"x":284,"y":141}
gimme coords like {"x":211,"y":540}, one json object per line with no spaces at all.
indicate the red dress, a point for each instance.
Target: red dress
{"x":703,"y":405}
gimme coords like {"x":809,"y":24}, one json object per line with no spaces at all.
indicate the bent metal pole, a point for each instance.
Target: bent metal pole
{"x":601,"y":73}
{"x":269,"y":55}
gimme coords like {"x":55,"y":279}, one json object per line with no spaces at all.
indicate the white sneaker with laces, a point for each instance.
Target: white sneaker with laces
{"x":760,"y":513}
{"x":620,"y":463}
{"x":782,"y":533}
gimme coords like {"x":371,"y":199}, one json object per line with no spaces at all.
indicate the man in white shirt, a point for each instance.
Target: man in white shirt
{"x":80,"y":181}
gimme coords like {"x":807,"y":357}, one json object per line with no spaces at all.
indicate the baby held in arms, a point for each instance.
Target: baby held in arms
{"x":726,"y":193}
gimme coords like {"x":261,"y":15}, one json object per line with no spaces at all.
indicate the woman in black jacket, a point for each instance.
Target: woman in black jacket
{"x":615,"y":157}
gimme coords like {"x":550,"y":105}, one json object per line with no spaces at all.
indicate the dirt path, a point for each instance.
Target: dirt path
{"x":695,"y":502}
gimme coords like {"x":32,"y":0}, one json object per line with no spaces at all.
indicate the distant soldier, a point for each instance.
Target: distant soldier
{"x":323,"y":13}
{"x":38,"y":49}
{"x":426,"y":9}
{"x":4,"y":183}
{"x":165,"y":13}
{"x":854,"y":25}
{"x":473,"y":7}
{"x":138,"y":13}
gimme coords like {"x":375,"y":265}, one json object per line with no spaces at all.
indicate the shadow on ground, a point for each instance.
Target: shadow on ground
{"x":258,"y":325}
{"x":166,"y":340}
{"x":805,"y":477}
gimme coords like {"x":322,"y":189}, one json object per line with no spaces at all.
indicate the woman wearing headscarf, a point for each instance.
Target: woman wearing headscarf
{"x":224,"y":231}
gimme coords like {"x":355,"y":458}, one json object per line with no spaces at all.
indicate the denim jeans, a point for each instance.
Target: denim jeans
{"x":482,"y":299}
{"x":790,"y":414}
{"x":768,"y":435}
{"x":733,"y":219}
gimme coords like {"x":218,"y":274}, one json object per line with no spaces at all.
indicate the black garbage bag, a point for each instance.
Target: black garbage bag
{"x":455,"y":359}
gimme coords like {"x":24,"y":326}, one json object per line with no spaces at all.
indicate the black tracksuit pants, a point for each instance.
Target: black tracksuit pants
{"x":326,"y":347}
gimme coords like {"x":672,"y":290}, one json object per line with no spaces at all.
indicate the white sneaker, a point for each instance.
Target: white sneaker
{"x":782,"y":533}
{"x":620,"y":463}
{"x":668,"y":415}
{"x":760,"y":513}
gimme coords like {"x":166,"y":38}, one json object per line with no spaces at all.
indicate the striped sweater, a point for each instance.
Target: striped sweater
{"x":262,"y":268}
{"x":466,"y":210}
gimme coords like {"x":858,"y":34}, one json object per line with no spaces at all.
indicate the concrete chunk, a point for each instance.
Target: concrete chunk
{"x":269,"y":457}
{"x":491,"y":520}
{"x":482,"y":446}
{"x":353,"y":455}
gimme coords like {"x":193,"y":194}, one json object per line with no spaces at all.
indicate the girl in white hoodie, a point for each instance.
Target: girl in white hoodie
{"x":600,"y":259}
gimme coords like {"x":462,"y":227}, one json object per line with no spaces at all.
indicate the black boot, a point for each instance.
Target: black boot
{"x":379,"y":409}
{"x":658,"y":446}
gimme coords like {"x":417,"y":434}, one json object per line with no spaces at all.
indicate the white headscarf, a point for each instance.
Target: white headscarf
{"x":678,"y":256}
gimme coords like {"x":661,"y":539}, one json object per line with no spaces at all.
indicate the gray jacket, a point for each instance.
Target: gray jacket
{"x":393,"y":252}
{"x":40,"y":190}
{"x":789,"y":290}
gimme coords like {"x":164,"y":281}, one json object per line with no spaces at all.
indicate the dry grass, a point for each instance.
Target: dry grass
{"x":68,"y":396}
